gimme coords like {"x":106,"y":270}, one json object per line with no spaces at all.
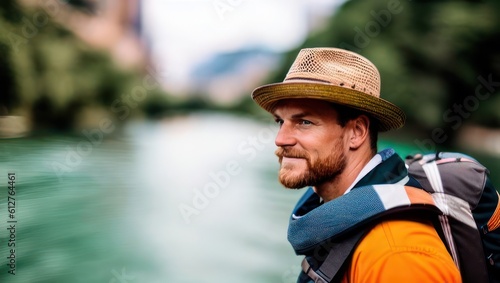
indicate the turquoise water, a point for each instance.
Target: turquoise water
{"x":190,"y":199}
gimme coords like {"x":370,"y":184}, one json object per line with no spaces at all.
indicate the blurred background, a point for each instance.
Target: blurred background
{"x":140,"y":157}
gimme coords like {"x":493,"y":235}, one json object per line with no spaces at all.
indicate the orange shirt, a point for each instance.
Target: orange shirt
{"x":402,"y":251}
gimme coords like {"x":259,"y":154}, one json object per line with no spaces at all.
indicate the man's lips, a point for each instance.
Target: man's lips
{"x":289,"y":155}
{"x":287,"y":159}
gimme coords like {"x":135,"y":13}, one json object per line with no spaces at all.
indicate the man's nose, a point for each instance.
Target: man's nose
{"x":285,"y":136}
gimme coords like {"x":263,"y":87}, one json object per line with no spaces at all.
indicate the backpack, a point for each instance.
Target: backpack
{"x":471,"y":211}
{"x":467,"y":224}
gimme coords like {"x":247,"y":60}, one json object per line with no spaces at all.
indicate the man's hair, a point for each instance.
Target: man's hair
{"x":346,"y":114}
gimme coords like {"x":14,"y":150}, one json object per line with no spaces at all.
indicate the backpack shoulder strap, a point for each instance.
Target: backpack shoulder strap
{"x":340,"y":252}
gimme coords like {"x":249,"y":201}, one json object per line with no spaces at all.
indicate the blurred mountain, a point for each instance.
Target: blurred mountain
{"x":227,"y":77}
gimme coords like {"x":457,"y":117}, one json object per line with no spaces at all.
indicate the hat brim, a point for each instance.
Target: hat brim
{"x":389,"y":116}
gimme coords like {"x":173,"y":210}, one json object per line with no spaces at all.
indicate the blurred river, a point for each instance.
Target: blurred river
{"x":189,"y":199}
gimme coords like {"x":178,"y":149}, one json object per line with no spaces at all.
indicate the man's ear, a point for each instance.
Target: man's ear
{"x":360,"y":131}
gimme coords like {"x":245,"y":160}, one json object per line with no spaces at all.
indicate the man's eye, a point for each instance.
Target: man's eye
{"x":279,"y":121}
{"x":305,"y":122}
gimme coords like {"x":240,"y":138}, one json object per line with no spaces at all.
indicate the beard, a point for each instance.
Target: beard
{"x":317,"y":172}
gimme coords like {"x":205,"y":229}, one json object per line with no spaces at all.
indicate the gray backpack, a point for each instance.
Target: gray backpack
{"x":471,"y":213}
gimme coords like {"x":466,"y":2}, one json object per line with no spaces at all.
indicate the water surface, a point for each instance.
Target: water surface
{"x":189,"y":199}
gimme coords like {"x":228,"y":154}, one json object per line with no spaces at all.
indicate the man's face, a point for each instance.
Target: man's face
{"x":311,"y":146}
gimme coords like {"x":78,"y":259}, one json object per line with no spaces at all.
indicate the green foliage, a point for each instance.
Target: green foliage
{"x":51,"y":77}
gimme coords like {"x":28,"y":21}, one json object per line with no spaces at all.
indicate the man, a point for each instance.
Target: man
{"x":329,"y":111}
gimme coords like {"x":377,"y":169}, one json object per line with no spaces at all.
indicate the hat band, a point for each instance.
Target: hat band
{"x":308,"y":79}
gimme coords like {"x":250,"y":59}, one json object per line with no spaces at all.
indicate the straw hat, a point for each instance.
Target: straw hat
{"x":334,"y":75}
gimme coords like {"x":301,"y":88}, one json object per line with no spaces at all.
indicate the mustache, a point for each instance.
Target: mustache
{"x":290,"y":153}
